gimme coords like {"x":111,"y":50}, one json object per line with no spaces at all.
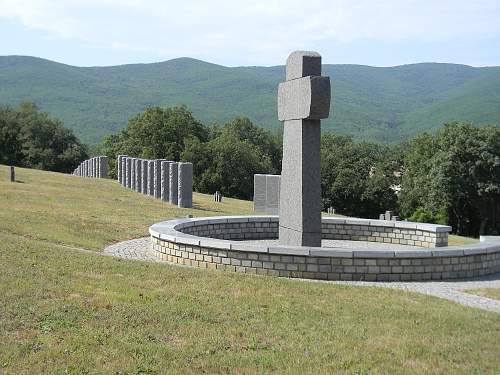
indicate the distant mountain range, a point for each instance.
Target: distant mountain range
{"x":370,"y":103}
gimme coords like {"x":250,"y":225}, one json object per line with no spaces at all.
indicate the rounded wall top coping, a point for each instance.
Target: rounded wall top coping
{"x":170,"y":231}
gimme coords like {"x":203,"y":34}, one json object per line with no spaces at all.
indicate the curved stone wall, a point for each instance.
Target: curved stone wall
{"x":216,"y":243}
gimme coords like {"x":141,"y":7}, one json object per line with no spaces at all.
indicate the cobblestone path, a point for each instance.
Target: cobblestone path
{"x":139,"y":249}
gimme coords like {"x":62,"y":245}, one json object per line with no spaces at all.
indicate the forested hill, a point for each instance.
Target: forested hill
{"x":384,"y":104}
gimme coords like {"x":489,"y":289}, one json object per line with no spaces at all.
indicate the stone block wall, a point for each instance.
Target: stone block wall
{"x":329,"y":267}
{"x":175,"y":241}
{"x":96,"y":167}
{"x":402,"y":233}
{"x":162,"y":179}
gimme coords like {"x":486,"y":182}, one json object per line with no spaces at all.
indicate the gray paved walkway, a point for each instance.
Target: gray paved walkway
{"x":139,"y":249}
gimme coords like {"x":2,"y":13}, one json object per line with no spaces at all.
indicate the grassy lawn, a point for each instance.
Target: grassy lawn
{"x":493,"y":293}
{"x":454,"y":240}
{"x":89,"y":213}
{"x":66,"y":310}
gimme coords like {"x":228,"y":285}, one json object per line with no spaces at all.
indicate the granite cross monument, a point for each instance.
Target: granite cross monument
{"x":303,"y":100}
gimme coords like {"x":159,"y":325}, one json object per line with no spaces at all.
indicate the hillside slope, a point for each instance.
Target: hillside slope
{"x":67,"y":310}
{"x":384,"y":104}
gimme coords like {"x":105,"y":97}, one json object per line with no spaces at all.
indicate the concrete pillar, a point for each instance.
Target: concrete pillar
{"x":303,"y":100}
{"x":185,"y":185}
{"x":173,"y":183}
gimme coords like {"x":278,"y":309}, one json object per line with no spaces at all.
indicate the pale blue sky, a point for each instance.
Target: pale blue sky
{"x":258,"y":32}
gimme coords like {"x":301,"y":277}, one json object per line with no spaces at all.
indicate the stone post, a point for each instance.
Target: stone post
{"x":138,"y":175}
{"x":165,"y":180}
{"x":119,"y":169}
{"x":303,"y":100}
{"x":124,"y":170}
{"x":144,"y":179}
{"x":151,"y":176}
{"x":157,"y":178}
{"x":132,"y":173}
{"x":173,"y":183}
{"x":103,"y":167}
{"x":127,"y":172}
{"x":98,"y":166}
{"x":185,"y":185}
{"x":12,"y":174}
{"x":94,"y":168}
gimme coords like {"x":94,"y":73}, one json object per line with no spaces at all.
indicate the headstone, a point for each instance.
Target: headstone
{"x":259,"y":192}
{"x":185,"y":184}
{"x":127,"y":172}
{"x":381,"y":217}
{"x":303,"y":100}
{"x":12,"y":174}
{"x":151,"y":175}
{"x":157,"y":178}
{"x":173,"y":182}
{"x":144,"y":179}
{"x":165,"y":180}
{"x":138,"y":175}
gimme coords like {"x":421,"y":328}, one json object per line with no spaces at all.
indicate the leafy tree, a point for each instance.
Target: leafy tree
{"x":358,"y":179}
{"x":228,"y":161}
{"x":454,"y":177}
{"x":156,"y":133}
{"x":30,"y":138}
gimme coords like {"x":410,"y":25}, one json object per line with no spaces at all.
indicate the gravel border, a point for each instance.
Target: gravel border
{"x":140,"y":249}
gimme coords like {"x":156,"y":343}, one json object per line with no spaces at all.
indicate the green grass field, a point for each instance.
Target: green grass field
{"x":64,"y":310}
{"x":493,"y":293}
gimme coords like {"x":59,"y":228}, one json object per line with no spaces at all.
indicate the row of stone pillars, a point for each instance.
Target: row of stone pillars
{"x":96,"y":167}
{"x":167,"y":180}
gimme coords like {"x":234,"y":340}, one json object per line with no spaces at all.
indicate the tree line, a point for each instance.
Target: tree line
{"x":32,"y":139}
{"x":450,"y":177}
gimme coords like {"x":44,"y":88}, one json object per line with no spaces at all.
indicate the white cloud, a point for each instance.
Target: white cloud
{"x":251,"y":32}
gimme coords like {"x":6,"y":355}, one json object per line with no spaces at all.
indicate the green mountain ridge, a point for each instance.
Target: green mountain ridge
{"x":372,"y":103}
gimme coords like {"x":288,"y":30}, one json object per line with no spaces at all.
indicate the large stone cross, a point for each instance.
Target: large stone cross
{"x":303,"y":100}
